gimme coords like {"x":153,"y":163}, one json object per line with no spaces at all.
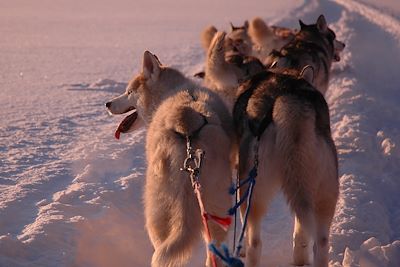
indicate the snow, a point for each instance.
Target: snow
{"x":70,"y":194}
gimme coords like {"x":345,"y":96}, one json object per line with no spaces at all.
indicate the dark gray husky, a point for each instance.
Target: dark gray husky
{"x":284,"y":112}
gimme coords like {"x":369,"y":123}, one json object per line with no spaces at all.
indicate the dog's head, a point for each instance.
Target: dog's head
{"x":320,"y":33}
{"x":238,"y":40}
{"x":143,"y":93}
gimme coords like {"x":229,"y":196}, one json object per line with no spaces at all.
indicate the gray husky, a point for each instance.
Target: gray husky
{"x":285,"y":109}
{"x":314,"y":46}
{"x":288,"y":118}
{"x":174,"y":108}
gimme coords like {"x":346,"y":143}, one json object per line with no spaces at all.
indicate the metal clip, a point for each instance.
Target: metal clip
{"x":192,"y":162}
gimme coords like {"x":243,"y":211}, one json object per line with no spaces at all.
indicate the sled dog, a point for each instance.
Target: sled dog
{"x":267,"y":38}
{"x":224,"y":76}
{"x":174,"y":108}
{"x":231,"y":52}
{"x":288,"y":117}
{"x":314,"y":45}
{"x":237,"y":41}
{"x":246,"y":47}
{"x":255,"y":39}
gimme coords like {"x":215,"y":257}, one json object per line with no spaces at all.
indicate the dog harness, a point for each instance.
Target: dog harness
{"x":192,"y":165}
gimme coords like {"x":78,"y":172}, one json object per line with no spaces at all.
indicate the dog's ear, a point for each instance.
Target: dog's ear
{"x":151,"y":66}
{"x":232,"y":27}
{"x":321,"y":24}
{"x":302,"y":24}
{"x":307,"y":73}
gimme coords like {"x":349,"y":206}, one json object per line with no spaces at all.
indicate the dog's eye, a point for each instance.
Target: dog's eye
{"x":130,"y":92}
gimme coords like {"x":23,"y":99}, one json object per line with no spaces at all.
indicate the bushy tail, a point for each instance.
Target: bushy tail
{"x":207,"y":36}
{"x":216,"y":53}
{"x":188,"y":121}
{"x":295,"y":125}
{"x":176,"y":250}
{"x":220,"y":74}
{"x":258,"y":30}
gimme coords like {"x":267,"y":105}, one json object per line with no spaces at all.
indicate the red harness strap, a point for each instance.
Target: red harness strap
{"x":223,"y":222}
{"x":192,"y":165}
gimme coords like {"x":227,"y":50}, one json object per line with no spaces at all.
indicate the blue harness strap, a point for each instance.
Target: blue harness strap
{"x":234,"y":261}
{"x":226,"y":257}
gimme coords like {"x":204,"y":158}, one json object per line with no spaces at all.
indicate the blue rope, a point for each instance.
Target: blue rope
{"x":236,"y":200}
{"x":227,"y":258}
{"x":250,"y":180}
{"x":250,"y":194}
{"x":232,"y":261}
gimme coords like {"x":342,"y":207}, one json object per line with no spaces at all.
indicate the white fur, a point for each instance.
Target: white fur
{"x":172,"y":106}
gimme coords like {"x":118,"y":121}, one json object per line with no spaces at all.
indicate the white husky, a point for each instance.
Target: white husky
{"x":173,"y":108}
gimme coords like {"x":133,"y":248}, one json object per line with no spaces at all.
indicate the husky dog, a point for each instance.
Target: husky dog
{"x":237,"y":41}
{"x":297,"y":153}
{"x":254,"y":39}
{"x":174,"y":108}
{"x":267,"y":38}
{"x":225,"y":76}
{"x":247,"y":46}
{"x":290,"y":118}
{"x":315,"y":46}
{"x":236,"y":49}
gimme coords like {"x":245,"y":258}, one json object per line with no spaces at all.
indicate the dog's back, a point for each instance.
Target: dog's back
{"x":172,"y":212}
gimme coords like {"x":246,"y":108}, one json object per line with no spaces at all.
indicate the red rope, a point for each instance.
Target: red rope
{"x":223,"y":222}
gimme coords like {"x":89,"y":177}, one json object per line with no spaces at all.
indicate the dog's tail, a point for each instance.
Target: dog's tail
{"x":177,"y":248}
{"x":207,"y":35}
{"x":216,"y":53}
{"x":294,"y":120}
{"x":219,"y":72}
{"x":187,"y":121}
{"x":259,"y":30}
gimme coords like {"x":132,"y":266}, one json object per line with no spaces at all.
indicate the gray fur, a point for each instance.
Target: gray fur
{"x":314,"y":45}
{"x":297,"y":154}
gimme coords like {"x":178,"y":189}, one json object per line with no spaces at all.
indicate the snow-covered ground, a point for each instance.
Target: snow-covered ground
{"x":70,"y":194}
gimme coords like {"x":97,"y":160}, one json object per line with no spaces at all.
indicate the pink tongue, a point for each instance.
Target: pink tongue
{"x":126,"y":124}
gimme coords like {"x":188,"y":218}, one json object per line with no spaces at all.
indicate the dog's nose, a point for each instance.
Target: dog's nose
{"x":108,"y":104}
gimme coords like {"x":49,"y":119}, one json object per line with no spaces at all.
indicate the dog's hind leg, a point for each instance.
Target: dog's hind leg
{"x":254,"y":244}
{"x":301,"y":241}
{"x":324,"y":214}
{"x":266,"y":187}
{"x":325,"y":202}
